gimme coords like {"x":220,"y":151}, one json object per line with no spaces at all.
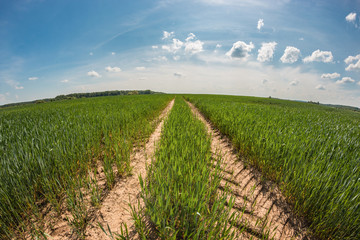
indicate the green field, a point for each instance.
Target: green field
{"x":49,"y":150}
{"x":50,"y":153}
{"x":312,"y":151}
{"x":180,"y":194}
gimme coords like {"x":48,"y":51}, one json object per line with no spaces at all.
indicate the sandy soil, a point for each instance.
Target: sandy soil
{"x":115,"y":208}
{"x":265,"y":211}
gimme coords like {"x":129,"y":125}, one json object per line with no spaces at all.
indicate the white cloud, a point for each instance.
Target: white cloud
{"x":191,"y":46}
{"x":177,"y":74}
{"x":301,"y":39}
{"x":93,"y":74}
{"x":351,"y":17}
{"x":260,"y":24}
{"x":65,"y":81}
{"x":18,"y":87}
{"x":319,"y":56}
{"x":194,"y":47}
{"x":291,"y":55}
{"x":174,"y":47}
{"x":33,"y":78}
{"x":218,"y":45}
{"x":167,"y":35}
{"x":190,"y":37}
{"x":353,"y":66}
{"x":345,"y":80}
{"x":91,"y":53}
{"x":240,"y":50}
{"x":176,"y":58}
{"x":113,"y":53}
{"x":154,"y":47}
{"x":320,"y":87}
{"x":266,"y":51}
{"x":140,"y":68}
{"x":350,"y":59}
{"x":330,"y":75}
{"x":294,"y":83}
{"x":112,"y":69}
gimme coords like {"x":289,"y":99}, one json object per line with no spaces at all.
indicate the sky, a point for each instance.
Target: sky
{"x":290,"y":49}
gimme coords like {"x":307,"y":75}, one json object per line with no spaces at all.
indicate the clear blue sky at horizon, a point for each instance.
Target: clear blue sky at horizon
{"x":49,"y":48}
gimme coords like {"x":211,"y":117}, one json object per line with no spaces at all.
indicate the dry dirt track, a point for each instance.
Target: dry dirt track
{"x":265,"y":212}
{"x":115,"y":207}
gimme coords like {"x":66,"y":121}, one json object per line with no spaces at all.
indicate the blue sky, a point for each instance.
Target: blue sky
{"x":303,"y":50}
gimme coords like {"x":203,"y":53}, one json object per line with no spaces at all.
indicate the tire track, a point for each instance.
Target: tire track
{"x":265,"y":213}
{"x":115,"y":209}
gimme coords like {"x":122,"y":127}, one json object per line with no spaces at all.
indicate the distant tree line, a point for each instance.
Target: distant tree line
{"x":85,"y":95}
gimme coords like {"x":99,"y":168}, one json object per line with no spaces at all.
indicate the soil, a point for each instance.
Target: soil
{"x":265,"y":212}
{"x":115,"y":209}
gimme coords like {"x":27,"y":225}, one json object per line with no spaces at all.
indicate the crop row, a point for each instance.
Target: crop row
{"x":180,"y":192}
{"x":50,"y":153}
{"x":312,"y":151}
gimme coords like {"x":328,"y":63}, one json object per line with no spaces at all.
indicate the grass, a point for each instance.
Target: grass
{"x":312,"y":151}
{"x":49,"y":154}
{"x":180,"y":193}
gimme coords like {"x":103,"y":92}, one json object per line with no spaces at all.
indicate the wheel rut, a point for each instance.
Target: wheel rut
{"x":115,"y":209}
{"x":263,"y":210}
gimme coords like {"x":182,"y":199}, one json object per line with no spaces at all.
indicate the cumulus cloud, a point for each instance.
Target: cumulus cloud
{"x":351,"y":59}
{"x":266,"y":51}
{"x":33,"y":78}
{"x":351,"y":17}
{"x":320,"y":87}
{"x":113,"y":53}
{"x":193,"y":47}
{"x":174,"y":47}
{"x":190,"y":37}
{"x":345,"y":80}
{"x":294,"y":83}
{"x":18,"y":87}
{"x":260,"y":24}
{"x":65,"y":81}
{"x":167,"y":35}
{"x":93,"y":74}
{"x":218,"y":45}
{"x":112,"y":69}
{"x":330,"y":75}
{"x":154,"y":47}
{"x":140,"y":68}
{"x":291,"y":55}
{"x":352,"y":66}
{"x":319,"y":56}
{"x":240,"y":50}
